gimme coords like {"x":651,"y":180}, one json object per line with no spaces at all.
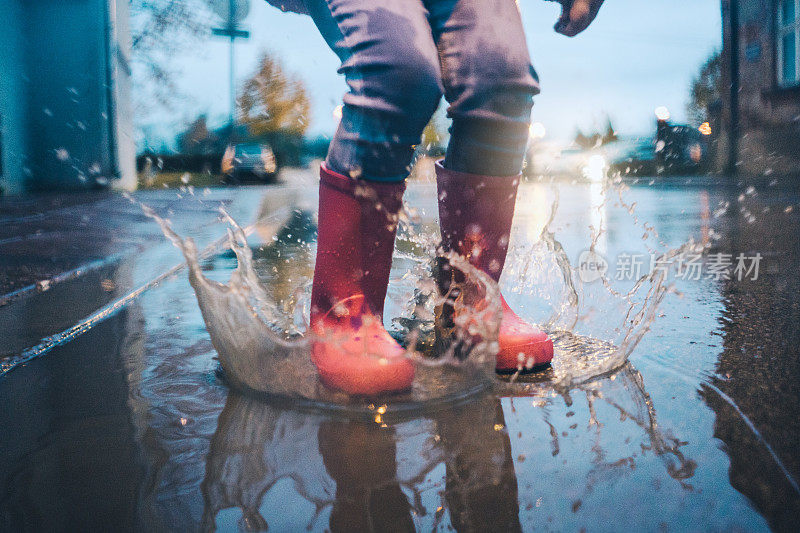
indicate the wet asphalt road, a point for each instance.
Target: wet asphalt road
{"x":127,"y":426}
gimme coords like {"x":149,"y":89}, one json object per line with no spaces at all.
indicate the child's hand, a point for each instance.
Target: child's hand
{"x":576,"y":15}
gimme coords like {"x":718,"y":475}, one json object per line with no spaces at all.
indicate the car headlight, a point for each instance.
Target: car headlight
{"x":595,"y":169}
{"x":597,"y":161}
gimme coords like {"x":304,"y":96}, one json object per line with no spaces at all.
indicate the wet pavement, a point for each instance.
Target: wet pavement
{"x":115,"y":416}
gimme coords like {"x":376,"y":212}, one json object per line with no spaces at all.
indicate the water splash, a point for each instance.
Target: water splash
{"x":595,"y":323}
{"x":264,"y":348}
{"x":264,"y":351}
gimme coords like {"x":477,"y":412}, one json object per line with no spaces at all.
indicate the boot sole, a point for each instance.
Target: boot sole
{"x":524,"y":371}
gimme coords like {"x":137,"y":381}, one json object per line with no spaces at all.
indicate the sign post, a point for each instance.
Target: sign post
{"x":232,"y":12}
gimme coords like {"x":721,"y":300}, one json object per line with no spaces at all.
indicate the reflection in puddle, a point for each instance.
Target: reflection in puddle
{"x":448,"y":468}
{"x":753,"y":390}
{"x":138,"y":421}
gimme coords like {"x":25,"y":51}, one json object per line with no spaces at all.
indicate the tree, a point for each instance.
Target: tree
{"x":596,"y":139}
{"x":159,"y":30}
{"x":706,"y":90}
{"x":611,"y":134}
{"x":273,"y":100}
{"x":197,"y":139}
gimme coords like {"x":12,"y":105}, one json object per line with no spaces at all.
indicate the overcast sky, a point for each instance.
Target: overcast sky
{"x":639,"y":54}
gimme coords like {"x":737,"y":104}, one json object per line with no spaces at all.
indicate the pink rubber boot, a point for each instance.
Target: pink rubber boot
{"x":475,"y":215}
{"x":357,"y":225}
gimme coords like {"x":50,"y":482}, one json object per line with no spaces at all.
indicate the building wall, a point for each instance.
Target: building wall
{"x":69,"y":123}
{"x":68,"y":94}
{"x":769,"y":116}
{"x":13,"y":144}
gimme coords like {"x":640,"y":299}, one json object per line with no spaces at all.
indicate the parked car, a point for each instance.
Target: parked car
{"x":633,"y":157}
{"x":680,"y":148}
{"x":249,"y":161}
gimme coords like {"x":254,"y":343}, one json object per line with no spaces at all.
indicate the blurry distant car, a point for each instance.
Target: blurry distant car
{"x":568,"y":162}
{"x":680,"y":148}
{"x":571,"y":162}
{"x":249,"y":161}
{"x":632,"y":157}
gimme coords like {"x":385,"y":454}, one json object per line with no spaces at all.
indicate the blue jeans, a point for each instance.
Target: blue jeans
{"x":400,"y":56}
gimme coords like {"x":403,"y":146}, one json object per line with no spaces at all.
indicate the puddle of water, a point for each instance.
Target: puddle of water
{"x":136,"y":407}
{"x":264,"y":343}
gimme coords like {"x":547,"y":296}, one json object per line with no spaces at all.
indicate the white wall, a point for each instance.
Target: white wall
{"x":121,"y":76}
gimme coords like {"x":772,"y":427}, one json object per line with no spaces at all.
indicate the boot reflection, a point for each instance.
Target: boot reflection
{"x":362,"y":459}
{"x":481,"y":484}
{"x":257,"y":444}
{"x":359,"y":470}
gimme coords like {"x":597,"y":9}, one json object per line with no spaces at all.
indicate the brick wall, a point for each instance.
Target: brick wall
{"x":769,"y":116}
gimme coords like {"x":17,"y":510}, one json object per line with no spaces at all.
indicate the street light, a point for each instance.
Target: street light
{"x":663,"y":133}
{"x":537,"y":131}
{"x":662,"y":113}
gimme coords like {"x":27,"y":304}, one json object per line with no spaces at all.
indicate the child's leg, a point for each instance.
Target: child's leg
{"x":489,"y":83}
{"x":391,"y":65}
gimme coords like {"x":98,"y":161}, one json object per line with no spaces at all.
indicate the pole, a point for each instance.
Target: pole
{"x":232,"y":28}
{"x":112,"y":170}
{"x":735,"y":126}
{"x":232,"y":31}
{"x":233,"y":88}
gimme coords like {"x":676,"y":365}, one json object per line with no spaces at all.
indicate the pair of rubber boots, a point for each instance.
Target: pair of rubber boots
{"x":357,"y":226}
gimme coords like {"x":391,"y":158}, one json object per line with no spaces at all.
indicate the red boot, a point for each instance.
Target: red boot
{"x":357,"y":226}
{"x":475,"y":215}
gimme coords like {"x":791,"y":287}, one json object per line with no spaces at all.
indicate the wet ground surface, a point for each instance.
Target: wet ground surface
{"x":124,"y":423}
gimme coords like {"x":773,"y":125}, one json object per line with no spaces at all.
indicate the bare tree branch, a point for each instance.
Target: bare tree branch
{"x":160,"y":29}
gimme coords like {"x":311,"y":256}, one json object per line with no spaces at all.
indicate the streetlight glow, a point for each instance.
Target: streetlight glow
{"x":537,"y":130}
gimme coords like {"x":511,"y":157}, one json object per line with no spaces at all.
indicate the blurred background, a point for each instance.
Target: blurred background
{"x":147,"y":93}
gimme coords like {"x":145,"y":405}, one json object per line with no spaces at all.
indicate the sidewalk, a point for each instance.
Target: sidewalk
{"x":61,"y":257}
